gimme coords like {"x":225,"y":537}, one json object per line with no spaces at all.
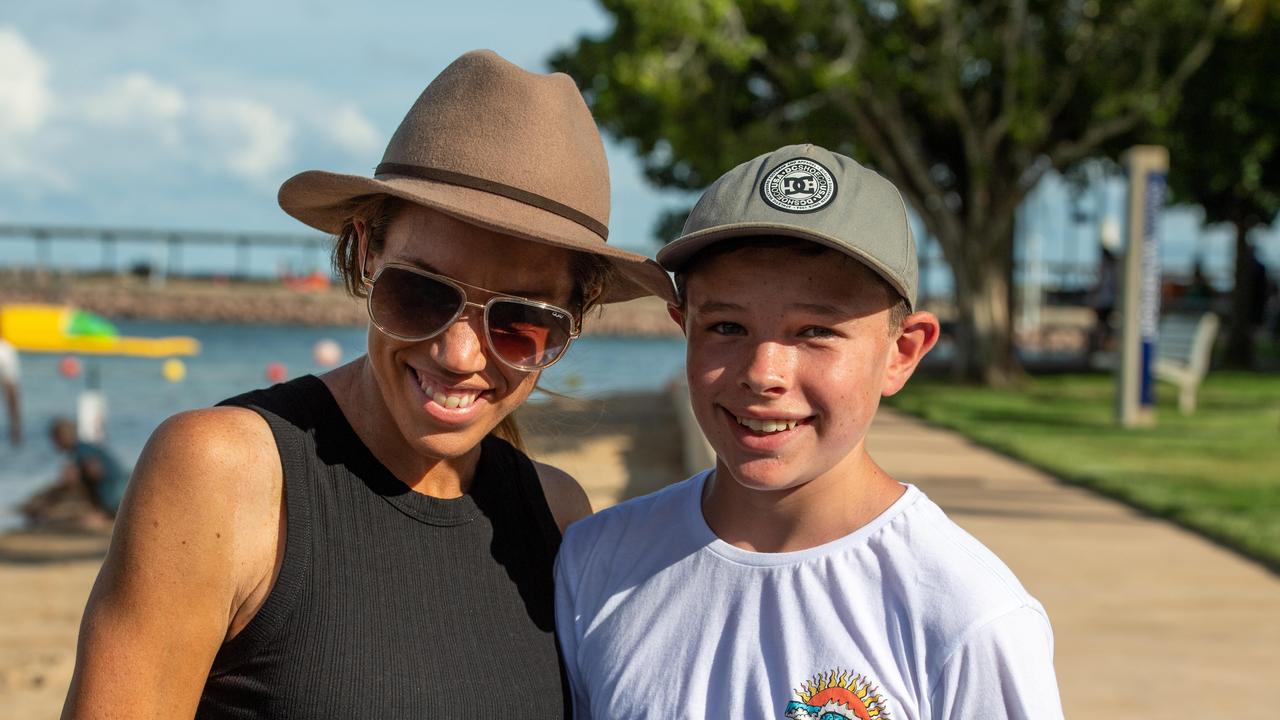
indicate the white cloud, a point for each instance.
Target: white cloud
{"x":350,"y":130}
{"x":25,"y":97}
{"x":245,"y":136}
{"x":139,"y":103}
{"x":134,"y":97}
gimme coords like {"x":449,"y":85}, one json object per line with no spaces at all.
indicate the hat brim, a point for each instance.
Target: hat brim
{"x":676,"y":254}
{"x":323,"y":200}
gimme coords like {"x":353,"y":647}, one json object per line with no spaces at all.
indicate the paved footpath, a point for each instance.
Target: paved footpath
{"x":1150,"y":621}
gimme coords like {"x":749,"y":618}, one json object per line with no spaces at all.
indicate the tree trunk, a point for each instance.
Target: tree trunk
{"x":1244,"y":296}
{"x":984,"y":320}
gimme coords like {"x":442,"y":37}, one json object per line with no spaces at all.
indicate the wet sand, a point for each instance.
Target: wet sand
{"x":619,"y":447}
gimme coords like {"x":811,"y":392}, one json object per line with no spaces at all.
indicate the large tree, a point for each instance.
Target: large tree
{"x":1225,"y":147}
{"x":963,"y":105}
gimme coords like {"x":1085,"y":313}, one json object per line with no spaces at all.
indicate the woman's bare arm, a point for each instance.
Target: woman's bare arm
{"x":564,"y":495}
{"x":192,"y":557}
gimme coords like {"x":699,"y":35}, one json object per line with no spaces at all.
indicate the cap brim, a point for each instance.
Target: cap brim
{"x":323,"y":200}
{"x":678,"y":252}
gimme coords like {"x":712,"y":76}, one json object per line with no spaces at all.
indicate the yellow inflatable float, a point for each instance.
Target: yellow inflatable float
{"x":63,"y":329}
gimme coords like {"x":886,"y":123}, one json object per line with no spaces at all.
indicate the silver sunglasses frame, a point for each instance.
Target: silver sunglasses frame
{"x":575,"y":325}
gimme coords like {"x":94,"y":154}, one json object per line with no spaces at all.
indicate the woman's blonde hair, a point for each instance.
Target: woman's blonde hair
{"x":591,"y":273}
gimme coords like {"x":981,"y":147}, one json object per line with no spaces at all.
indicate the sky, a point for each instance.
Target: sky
{"x":188,"y":115}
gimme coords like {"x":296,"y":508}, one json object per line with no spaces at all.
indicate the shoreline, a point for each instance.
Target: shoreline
{"x":261,"y":302}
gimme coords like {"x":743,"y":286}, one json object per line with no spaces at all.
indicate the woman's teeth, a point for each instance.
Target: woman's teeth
{"x":449,"y":400}
{"x":452,"y":401}
{"x":767,"y":426}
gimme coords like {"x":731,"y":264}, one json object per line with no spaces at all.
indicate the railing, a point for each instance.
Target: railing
{"x":44,"y":236}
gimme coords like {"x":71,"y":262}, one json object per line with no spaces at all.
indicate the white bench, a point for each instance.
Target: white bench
{"x":1182,"y":354}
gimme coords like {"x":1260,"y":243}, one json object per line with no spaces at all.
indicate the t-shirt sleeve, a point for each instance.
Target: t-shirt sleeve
{"x":567,"y":576}
{"x":1003,"y":669}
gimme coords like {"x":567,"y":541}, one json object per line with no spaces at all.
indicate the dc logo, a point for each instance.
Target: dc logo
{"x":800,"y":185}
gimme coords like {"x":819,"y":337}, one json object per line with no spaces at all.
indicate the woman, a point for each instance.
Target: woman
{"x":362,"y":544}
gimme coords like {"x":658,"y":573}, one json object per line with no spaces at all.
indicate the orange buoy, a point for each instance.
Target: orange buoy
{"x":69,"y":367}
{"x":276,"y":372}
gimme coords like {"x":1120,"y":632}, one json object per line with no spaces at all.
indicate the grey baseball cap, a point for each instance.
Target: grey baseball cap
{"x":811,"y":193}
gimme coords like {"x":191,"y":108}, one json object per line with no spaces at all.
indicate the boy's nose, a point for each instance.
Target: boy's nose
{"x":769,"y":369}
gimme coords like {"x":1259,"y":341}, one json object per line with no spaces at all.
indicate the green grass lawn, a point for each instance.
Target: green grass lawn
{"x":1217,"y":471}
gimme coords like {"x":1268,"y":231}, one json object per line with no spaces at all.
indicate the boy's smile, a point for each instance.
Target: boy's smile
{"x":767,"y":433}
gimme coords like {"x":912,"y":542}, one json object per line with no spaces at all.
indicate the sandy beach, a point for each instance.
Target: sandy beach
{"x":620,"y":446}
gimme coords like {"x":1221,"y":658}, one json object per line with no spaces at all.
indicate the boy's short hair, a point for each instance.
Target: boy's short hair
{"x":813,"y":195}
{"x":898,"y":308}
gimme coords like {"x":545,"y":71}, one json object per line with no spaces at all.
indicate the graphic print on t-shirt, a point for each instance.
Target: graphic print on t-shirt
{"x":837,"y":695}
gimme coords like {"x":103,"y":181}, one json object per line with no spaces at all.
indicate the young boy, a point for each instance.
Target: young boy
{"x":796,"y":579}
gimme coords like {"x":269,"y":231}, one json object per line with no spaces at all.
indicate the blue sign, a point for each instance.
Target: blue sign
{"x":1149,"y":301}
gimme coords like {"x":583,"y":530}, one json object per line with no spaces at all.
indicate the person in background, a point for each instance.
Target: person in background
{"x":92,"y":467}
{"x":373,"y":543}
{"x":10,"y":376}
{"x":1102,"y":298}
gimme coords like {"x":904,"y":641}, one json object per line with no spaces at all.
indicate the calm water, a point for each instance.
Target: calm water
{"x":233,"y":359}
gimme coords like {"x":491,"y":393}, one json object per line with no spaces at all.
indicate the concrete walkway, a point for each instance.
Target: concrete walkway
{"x":1150,"y":620}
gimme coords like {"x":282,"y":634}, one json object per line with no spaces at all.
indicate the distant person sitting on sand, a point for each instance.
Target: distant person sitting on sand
{"x":88,"y":490}
{"x":796,"y":578}
{"x":92,"y":466}
{"x":9,"y":377}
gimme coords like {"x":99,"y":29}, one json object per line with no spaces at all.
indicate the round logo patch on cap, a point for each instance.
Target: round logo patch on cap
{"x":799,"y":185}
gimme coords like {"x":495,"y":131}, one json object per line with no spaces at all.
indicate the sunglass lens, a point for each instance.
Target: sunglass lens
{"x":410,"y":305}
{"x":528,"y":335}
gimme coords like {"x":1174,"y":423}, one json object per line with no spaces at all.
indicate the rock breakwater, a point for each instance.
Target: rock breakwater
{"x":259,"y":302}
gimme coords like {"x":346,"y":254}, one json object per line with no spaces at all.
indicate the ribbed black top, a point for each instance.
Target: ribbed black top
{"x":389,"y":603}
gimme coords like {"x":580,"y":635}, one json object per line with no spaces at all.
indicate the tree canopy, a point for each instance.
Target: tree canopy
{"x":963,"y":105}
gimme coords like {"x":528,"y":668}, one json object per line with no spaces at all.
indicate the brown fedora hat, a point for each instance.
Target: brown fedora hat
{"x":499,"y":147}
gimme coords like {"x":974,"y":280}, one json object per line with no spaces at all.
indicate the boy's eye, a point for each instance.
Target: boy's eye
{"x":727,"y":328}
{"x":815,"y":331}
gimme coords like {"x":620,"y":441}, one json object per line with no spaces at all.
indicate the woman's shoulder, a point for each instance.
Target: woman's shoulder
{"x":208,"y":465}
{"x":566,"y":498}
{"x":211,"y":441}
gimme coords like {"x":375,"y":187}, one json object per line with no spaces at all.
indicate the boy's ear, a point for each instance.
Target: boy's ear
{"x":919,"y":333}
{"x":676,"y":314}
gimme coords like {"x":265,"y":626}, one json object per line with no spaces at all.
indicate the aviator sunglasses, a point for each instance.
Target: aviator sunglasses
{"x":412,"y":304}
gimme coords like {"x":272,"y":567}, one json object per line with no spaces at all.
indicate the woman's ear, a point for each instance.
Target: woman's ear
{"x":677,"y":315}
{"x":591,"y":295}
{"x":362,"y":246}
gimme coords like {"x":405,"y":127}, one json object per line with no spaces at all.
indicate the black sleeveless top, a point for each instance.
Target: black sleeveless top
{"x":390,"y":603}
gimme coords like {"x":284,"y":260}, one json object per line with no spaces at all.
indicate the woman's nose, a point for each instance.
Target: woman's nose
{"x":460,"y":348}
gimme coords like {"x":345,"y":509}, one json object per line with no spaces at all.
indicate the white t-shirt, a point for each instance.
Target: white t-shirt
{"x":9,"y":368}
{"x":908,"y":617}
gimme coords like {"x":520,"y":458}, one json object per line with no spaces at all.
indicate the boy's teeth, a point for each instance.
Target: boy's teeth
{"x":767,"y":426}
